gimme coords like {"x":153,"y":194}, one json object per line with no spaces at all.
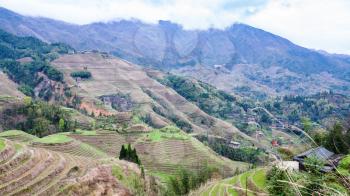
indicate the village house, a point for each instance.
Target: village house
{"x":234,"y":144}
{"x":331,"y":159}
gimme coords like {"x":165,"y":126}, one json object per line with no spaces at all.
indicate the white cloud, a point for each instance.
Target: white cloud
{"x":319,"y":24}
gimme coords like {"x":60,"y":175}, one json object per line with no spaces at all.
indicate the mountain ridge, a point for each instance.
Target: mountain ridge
{"x":167,"y":46}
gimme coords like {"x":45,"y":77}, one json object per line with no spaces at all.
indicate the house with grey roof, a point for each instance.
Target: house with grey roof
{"x":330,"y":159}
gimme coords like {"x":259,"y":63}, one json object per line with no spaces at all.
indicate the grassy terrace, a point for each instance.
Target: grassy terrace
{"x":168,"y":132}
{"x":259,"y":179}
{"x":83,"y":132}
{"x":53,"y":139}
{"x":17,"y":135}
{"x":2,"y":144}
{"x":11,"y":133}
{"x":254,"y":179}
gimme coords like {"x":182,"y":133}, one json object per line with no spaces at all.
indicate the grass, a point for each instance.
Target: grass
{"x":163,"y":177}
{"x":131,"y":180}
{"x":84,"y":132}
{"x":2,"y":144}
{"x":168,"y":132}
{"x":54,"y":139}
{"x":93,"y":150}
{"x":11,"y":133}
{"x":18,"y":146}
{"x":344,"y":166}
{"x":232,"y":180}
{"x":259,"y":178}
{"x":243,"y":180}
{"x":216,"y":190}
{"x":232,"y":192}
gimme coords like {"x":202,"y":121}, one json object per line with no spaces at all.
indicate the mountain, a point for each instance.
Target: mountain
{"x":240,"y":58}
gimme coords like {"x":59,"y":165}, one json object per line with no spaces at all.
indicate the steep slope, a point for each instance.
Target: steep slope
{"x":8,"y":87}
{"x":150,"y":99}
{"x":240,"y":58}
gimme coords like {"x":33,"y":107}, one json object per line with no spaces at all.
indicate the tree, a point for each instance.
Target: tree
{"x":307,"y":124}
{"x":27,"y":101}
{"x":122,"y":153}
{"x":61,"y":125}
{"x":313,"y":166}
{"x":277,"y":182}
{"x":336,"y":140}
{"x":128,"y":153}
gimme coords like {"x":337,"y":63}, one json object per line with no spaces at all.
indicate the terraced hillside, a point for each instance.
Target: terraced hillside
{"x":251,"y":182}
{"x":160,"y":104}
{"x":62,"y":143}
{"x":26,"y":170}
{"x":160,"y":153}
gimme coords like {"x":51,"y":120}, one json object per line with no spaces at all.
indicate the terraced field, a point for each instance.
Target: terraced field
{"x":251,"y":182}
{"x":32,"y":170}
{"x":16,"y":135}
{"x":160,"y":155}
{"x":107,"y":141}
{"x":63,"y":143}
{"x":39,"y":169}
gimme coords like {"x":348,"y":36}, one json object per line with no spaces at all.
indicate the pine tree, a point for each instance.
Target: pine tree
{"x":129,"y":153}
{"x":122,"y":153}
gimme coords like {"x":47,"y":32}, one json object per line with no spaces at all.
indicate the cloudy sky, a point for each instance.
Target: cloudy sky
{"x":317,"y":24}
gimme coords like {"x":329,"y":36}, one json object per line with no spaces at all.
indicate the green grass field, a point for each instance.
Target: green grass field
{"x":11,"y":133}
{"x":2,"y":144}
{"x":236,"y":185}
{"x":84,"y":132}
{"x":17,"y":135}
{"x":168,"y":132}
{"x":259,"y":179}
{"x":344,"y":166}
{"x":53,"y":139}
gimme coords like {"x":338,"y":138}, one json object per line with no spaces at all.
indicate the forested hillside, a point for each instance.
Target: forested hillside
{"x":26,"y":60}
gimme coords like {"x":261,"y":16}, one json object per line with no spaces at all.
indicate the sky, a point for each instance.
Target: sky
{"x":316,"y":24}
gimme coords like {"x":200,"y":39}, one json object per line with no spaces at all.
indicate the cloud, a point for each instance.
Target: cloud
{"x":319,"y":24}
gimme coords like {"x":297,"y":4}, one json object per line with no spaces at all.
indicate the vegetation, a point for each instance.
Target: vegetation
{"x":36,"y":117}
{"x":209,"y":99}
{"x":344,"y":166}
{"x":310,"y":182}
{"x":336,"y":139}
{"x":168,"y":132}
{"x":245,"y":154}
{"x":53,"y":139}
{"x":185,"y":180}
{"x":131,"y":180}
{"x":128,"y":153}
{"x":28,"y":74}
{"x":304,"y":111}
{"x":259,"y":178}
{"x":81,"y":74}
{"x":2,"y":144}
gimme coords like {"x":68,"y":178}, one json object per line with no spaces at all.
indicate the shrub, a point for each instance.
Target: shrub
{"x":81,"y":74}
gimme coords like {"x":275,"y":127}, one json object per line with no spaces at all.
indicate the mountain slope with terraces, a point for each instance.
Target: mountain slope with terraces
{"x":159,"y":105}
{"x":27,"y":170}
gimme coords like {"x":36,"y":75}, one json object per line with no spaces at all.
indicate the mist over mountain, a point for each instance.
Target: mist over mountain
{"x":239,"y":58}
